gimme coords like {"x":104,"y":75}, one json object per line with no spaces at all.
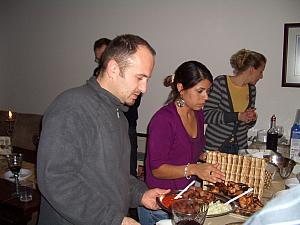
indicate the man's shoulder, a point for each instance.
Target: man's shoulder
{"x":76,"y":94}
{"x":70,"y":99}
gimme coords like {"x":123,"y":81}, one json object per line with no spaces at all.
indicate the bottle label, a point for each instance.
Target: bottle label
{"x":295,"y":135}
{"x":295,"y":146}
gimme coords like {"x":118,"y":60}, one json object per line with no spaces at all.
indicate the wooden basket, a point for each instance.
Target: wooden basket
{"x":242,"y":169}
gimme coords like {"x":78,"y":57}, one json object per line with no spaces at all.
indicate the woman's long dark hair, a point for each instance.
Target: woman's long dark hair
{"x":188,"y":74}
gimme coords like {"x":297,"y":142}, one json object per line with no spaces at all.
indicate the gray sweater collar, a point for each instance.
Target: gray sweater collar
{"x":106,"y":95}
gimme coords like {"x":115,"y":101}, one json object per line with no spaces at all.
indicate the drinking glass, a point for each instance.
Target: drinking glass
{"x":15,"y":163}
{"x":189,"y":212}
{"x":2,"y":144}
{"x":25,"y":189}
{"x":280,"y":131}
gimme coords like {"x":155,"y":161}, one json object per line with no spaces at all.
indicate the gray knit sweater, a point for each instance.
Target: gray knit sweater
{"x":220,"y":116}
{"x":83,"y":160}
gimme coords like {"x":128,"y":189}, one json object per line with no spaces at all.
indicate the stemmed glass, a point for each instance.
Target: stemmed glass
{"x":14,"y":161}
{"x":280,"y":131}
{"x":189,"y":212}
{"x":2,"y":144}
{"x":281,"y":139}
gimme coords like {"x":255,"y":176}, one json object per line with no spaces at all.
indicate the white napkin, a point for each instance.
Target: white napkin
{"x":164,"y":222}
{"x":5,"y":145}
{"x":5,"y":151}
{"x":24,"y":173}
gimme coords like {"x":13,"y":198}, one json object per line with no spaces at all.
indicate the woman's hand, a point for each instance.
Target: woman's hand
{"x":248,"y":116}
{"x":207,"y":171}
{"x":203,"y":156}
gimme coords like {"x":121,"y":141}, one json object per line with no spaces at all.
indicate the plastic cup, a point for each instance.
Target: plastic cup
{"x":189,"y":212}
{"x":25,"y":191}
{"x":297,"y":117}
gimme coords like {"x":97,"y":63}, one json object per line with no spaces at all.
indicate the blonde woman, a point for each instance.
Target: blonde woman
{"x":230,"y":108}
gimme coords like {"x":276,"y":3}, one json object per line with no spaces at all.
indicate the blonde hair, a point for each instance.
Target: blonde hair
{"x":243,"y":59}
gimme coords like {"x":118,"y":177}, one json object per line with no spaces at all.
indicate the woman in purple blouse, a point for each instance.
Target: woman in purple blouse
{"x":176,"y":136}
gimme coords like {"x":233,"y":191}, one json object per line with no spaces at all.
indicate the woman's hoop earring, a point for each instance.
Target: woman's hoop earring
{"x":180,"y":102}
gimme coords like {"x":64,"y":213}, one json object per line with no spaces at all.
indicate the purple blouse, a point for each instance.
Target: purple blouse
{"x":169,"y":143}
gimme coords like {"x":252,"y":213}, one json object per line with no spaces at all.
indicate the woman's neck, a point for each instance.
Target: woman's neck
{"x":185,"y":112}
{"x":189,"y":121}
{"x":240,"y":79}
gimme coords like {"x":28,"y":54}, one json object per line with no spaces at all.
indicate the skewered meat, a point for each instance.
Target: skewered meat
{"x":247,"y":203}
{"x":198,"y":192}
{"x":191,"y":193}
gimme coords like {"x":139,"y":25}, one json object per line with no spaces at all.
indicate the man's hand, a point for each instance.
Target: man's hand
{"x":149,"y":198}
{"x":129,"y":221}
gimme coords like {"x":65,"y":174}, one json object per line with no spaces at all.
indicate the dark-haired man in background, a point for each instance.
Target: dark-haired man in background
{"x":99,"y":47}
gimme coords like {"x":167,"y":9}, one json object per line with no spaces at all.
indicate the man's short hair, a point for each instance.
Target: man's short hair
{"x":100,"y":42}
{"x":120,"y":49}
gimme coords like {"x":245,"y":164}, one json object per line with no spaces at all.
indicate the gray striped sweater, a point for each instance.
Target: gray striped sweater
{"x":220,"y":116}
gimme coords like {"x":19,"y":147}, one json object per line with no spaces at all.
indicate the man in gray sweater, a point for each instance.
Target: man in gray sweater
{"x":84,"y":150}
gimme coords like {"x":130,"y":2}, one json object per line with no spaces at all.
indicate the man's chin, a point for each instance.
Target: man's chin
{"x":130,"y":103}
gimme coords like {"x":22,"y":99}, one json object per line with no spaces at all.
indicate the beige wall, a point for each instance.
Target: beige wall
{"x":46,"y":46}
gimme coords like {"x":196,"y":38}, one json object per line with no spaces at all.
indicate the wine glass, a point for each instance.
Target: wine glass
{"x":2,"y":143}
{"x":15,"y":163}
{"x":280,"y":131}
{"x":189,"y":211}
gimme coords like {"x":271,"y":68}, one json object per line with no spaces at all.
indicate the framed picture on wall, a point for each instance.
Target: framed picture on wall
{"x":291,"y":55}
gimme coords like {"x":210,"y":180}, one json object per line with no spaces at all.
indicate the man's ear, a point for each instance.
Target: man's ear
{"x":112,"y":68}
{"x":179,"y":87}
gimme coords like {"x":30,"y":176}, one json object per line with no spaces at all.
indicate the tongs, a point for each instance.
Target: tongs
{"x":179,"y":195}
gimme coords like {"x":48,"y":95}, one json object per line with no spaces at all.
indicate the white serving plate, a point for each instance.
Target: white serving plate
{"x":164,"y":222}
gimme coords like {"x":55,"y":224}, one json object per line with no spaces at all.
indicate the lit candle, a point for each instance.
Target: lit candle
{"x":9,"y":115}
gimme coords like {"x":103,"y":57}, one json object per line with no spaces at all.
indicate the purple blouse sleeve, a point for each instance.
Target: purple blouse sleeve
{"x":159,"y":140}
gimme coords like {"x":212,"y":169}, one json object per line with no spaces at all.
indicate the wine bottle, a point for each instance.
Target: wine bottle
{"x":272,"y":135}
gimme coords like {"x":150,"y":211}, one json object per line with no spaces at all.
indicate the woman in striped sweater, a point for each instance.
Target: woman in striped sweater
{"x":230,"y":109}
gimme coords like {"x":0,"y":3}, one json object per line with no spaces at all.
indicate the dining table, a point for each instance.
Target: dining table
{"x":12,"y":210}
{"x":277,"y":184}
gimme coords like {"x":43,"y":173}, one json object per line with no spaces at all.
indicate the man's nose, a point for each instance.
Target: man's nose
{"x":143,"y":86}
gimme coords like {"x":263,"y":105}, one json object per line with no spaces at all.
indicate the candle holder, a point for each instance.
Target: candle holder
{"x":10,"y":128}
